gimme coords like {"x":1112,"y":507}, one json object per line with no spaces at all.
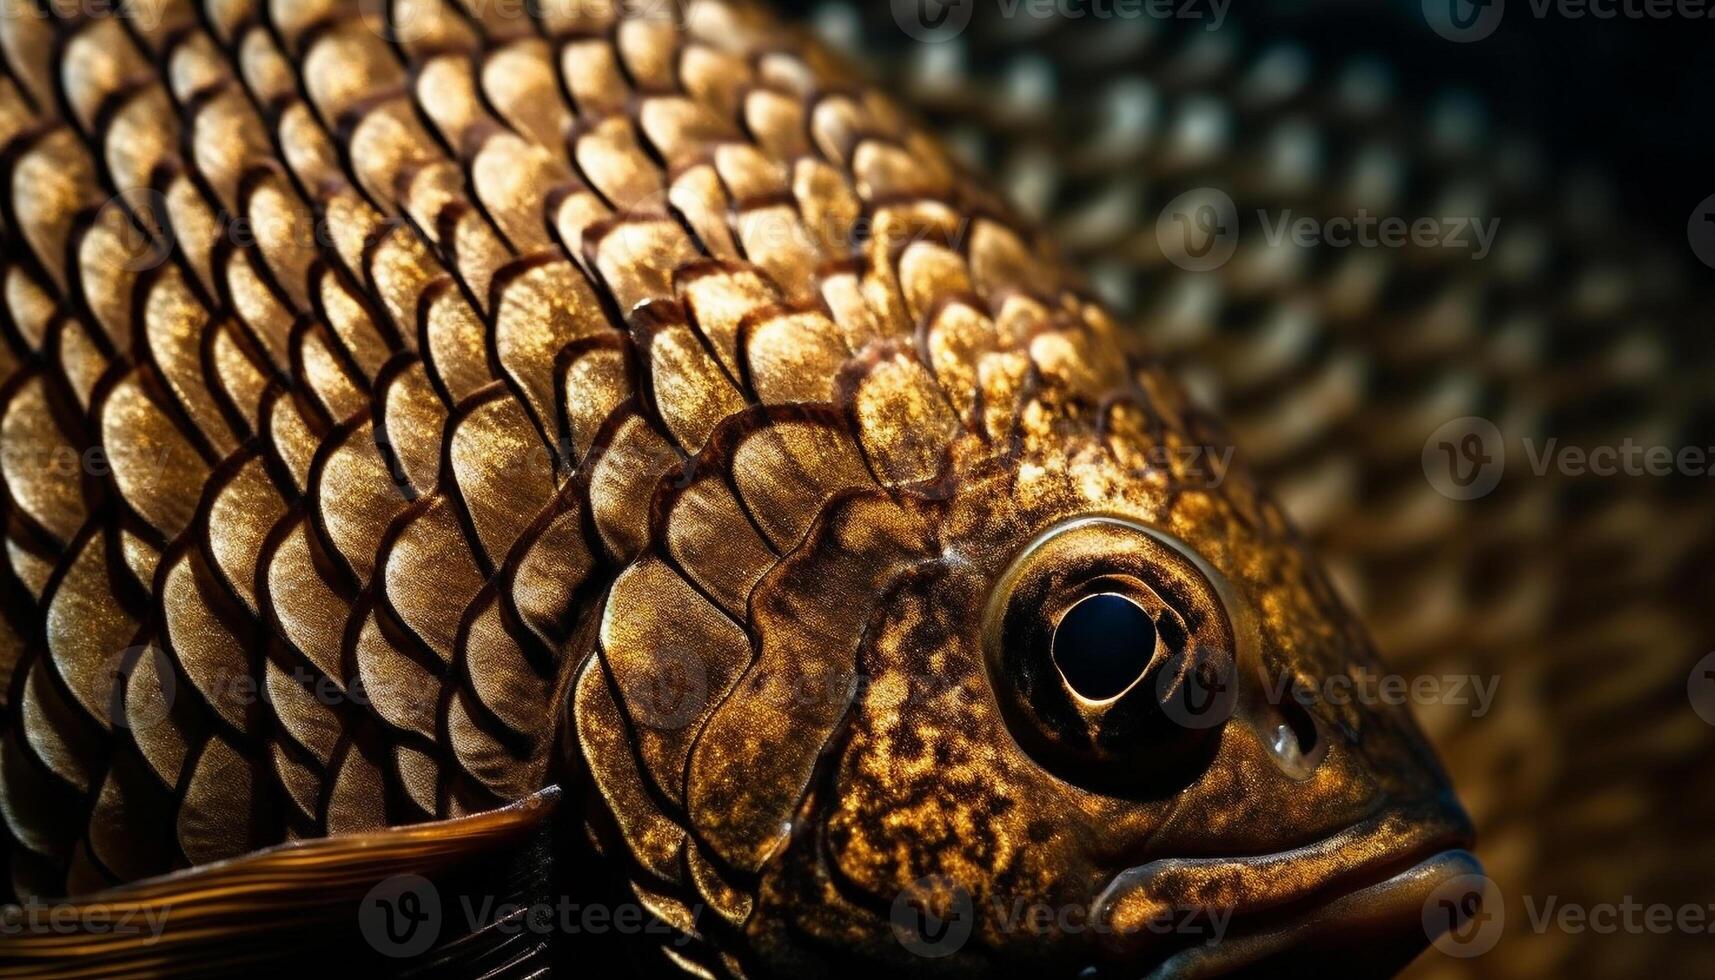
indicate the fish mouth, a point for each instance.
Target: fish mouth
{"x":1350,"y":905}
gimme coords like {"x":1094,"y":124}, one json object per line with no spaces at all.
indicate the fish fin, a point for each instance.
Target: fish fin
{"x":419,"y":900}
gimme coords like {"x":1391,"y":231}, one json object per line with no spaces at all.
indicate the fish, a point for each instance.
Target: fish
{"x":1333,"y":369}
{"x":498,"y":456}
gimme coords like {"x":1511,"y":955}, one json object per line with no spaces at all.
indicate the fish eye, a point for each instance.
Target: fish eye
{"x":1103,"y":645}
{"x":1101,"y":640}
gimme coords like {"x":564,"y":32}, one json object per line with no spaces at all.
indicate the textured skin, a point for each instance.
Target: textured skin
{"x":527,"y":398}
{"x":1585,"y":596}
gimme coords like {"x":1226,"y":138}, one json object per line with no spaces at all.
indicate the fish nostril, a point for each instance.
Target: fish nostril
{"x":1295,"y":742}
{"x":1102,"y":645}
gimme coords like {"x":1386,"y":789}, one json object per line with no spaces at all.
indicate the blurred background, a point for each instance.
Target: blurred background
{"x":1497,"y":422}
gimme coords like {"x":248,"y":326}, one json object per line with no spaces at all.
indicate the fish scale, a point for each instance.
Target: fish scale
{"x":403,"y":416}
{"x":1332,"y":370}
{"x":453,"y":346}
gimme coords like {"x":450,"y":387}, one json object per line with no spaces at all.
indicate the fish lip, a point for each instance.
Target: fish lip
{"x":1370,"y":932}
{"x":1373,"y":894}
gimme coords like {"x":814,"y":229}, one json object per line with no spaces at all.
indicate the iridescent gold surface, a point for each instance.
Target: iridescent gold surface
{"x":471,"y":401}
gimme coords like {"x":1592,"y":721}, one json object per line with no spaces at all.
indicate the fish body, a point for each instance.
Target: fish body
{"x":405,"y":415}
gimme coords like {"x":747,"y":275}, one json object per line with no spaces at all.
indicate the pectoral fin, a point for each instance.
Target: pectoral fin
{"x":426,"y":899}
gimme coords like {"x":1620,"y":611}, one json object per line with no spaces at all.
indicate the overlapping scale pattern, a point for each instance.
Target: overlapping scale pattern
{"x":382,"y":396}
{"x":313,"y":324}
{"x":280,"y":431}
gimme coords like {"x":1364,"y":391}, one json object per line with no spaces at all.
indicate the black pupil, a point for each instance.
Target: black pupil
{"x":1103,"y":644}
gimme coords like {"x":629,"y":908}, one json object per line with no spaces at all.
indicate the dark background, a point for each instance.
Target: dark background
{"x":1631,"y":97}
{"x":1628,"y":99}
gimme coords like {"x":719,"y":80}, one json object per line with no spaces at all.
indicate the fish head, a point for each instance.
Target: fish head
{"x":1090,"y":735}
